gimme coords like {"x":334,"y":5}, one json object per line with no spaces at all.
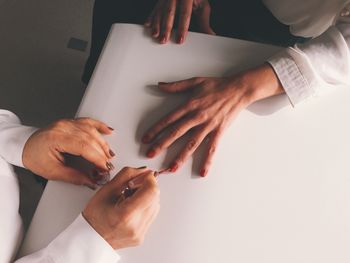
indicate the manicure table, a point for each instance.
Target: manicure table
{"x":279,"y":186}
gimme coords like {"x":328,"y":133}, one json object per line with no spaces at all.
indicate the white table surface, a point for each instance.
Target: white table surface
{"x":279,"y":188}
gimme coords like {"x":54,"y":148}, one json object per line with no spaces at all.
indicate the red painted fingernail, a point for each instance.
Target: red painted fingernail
{"x":151,"y":154}
{"x":180,"y":40}
{"x":109,"y":166}
{"x":203,"y":173}
{"x":174,"y":167}
{"x":111,"y":153}
{"x":110,"y":128}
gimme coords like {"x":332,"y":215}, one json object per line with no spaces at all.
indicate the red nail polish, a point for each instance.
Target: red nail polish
{"x":151,"y":154}
{"x":174,"y":167}
{"x":111,"y":153}
{"x":203,"y":173}
{"x":110,"y":128}
{"x":109,"y":166}
{"x":180,"y":40}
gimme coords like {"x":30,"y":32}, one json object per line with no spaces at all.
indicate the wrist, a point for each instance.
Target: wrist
{"x":260,"y":83}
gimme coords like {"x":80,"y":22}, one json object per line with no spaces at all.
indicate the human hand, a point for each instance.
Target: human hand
{"x":43,"y":151}
{"x":124,"y":222}
{"x":161,"y":20}
{"x":214,"y":104}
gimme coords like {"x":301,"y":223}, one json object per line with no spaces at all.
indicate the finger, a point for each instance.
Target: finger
{"x":184,"y":20}
{"x":93,"y":132}
{"x":145,"y":196}
{"x":212,"y":146}
{"x":87,"y":147}
{"x":203,"y":19}
{"x":156,"y":25}
{"x":148,"y":21}
{"x":165,"y":122}
{"x":127,"y":174}
{"x":99,"y":125}
{"x":168,"y":21}
{"x":180,"y":86}
{"x":178,"y":131}
{"x":73,"y":176}
{"x":192,"y":144}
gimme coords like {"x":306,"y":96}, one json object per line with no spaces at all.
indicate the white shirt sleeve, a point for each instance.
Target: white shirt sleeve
{"x":13,"y":137}
{"x":78,"y":243}
{"x":311,"y":69}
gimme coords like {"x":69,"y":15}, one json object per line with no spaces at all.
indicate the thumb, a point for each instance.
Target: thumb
{"x":203,"y":19}
{"x":74,"y":176}
{"x":180,"y":86}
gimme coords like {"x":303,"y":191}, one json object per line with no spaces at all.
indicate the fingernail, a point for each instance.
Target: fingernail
{"x":163,"y":40}
{"x":111,"y":153}
{"x":203,"y":173}
{"x":162,"y":83}
{"x":142,"y":167}
{"x":174,"y":167}
{"x":151,"y":154}
{"x":180,"y":40}
{"x":109,"y":166}
{"x":110,"y":128}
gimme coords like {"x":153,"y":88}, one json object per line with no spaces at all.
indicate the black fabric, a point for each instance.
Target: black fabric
{"x":243,"y":19}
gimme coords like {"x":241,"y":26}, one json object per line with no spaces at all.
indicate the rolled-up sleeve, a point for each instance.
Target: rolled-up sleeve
{"x":315,"y":67}
{"x":13,"y":136}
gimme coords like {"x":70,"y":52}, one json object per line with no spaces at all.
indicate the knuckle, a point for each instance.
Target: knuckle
{"x":201,"y":116}
{"x":191,"y":144}
{"x":192,"y":104}
{"x":169,"y":11}
{"x":60,"y":123}
{"x":212,"y":150}
{"x":83,"y":143}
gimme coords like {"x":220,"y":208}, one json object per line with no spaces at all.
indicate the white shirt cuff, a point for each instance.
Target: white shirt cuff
{"x":13,"y":137}
{"x":295,"y":84}
{"x":81,"y":243}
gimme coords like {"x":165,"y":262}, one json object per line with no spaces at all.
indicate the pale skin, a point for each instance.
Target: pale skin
{"x":213,"y":104}
{"x":121,"y":221}
{"x":43,"y":151}
{"x":124,"y":223}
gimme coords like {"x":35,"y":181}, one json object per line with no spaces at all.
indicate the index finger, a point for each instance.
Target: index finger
{"x":184,"y":20}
